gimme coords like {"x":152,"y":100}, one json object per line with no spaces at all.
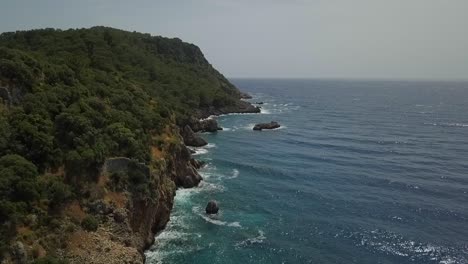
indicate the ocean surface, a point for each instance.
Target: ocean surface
{"x":359,"y":172}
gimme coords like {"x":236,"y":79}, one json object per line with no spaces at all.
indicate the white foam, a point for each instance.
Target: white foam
{"x":184,"y":195}
{"x":203,"y":150}
{"x":208,"y":118}
{"x":250,"y":126}
{"x":448,"y":124}
{"x":235,"y":174}
{"x":264,"y":111}
{"x":210,"y":145}
{"x":255,"y":240}
{"x":235,"y":114}
{"x":394,"y":244}
{"x":210,"y":187}
{"x":199,"y":151}
{"x":212,"y":219}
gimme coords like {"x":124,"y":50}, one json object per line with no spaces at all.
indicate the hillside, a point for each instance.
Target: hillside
{"x":90,"y":145}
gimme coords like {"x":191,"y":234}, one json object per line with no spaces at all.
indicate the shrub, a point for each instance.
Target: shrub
{"x":90,"y":223}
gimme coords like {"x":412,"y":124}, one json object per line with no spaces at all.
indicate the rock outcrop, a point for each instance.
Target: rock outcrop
{"x":271,"y":125}
{"x":240,"y":107}
{"x":192,"y":139}
{"x":128,"y":221}
{"x":183,"y":172}
{"x":212,"y":207}
{"x":205,"y":125}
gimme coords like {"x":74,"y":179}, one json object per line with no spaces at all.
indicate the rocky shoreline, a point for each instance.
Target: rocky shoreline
{"x":126,"y":222}
{"x":202,"y":123}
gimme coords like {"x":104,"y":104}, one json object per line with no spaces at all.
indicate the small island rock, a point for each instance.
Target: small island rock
{"x":271,"y":125}
{"x":212,"y":207}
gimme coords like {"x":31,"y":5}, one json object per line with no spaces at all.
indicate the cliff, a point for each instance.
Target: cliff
{"x":91,"y":146}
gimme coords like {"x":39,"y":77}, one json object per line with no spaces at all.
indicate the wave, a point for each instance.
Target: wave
{"x":255,"y":240}
{"x":208,"y":118}
{"x":212,"y":218}
{"x":235,"y":174}
{"x":167,"y":242}
{"x":210,"y":187}
{"x":447,"y":124}
{"x":235,"y":114}
{"x":202,"y":150}
{"x":393,"y":244}
{"x":210,"y":145}
{"x":199,"y":151}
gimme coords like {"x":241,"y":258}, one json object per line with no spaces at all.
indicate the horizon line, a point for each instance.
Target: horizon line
{"x":355,"y":78}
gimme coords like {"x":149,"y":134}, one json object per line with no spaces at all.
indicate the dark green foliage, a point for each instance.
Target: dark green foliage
{"x":90,"y":223}
{"x":55,"y":191}
{"x":18,"y":191}
{"x":92,"y":93}
{"x":138,"y":180}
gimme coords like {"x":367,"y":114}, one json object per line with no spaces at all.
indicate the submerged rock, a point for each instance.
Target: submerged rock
{"x":212,"y":207}
{"x":271,"y":125}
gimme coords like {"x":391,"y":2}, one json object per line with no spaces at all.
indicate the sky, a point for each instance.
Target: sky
{"x":390,"y":39}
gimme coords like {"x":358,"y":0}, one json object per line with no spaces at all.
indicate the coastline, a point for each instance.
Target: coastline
{"x":204,"y":115}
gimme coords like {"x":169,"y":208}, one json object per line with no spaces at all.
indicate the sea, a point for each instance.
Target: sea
{"x":360,"y":171}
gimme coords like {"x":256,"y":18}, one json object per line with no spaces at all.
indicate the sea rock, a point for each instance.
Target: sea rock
{"x":259,"y":103}
{"x":271,"y":125}
{"x":212,"y":207}
{"x":192,"y":139}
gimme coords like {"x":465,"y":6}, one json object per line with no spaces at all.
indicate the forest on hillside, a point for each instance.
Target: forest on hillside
{"x":72,"y":98}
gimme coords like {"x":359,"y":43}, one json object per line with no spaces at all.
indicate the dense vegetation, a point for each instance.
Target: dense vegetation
{"x":74,"y":97}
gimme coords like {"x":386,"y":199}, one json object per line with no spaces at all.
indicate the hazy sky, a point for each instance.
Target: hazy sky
{"x":283,"y":38}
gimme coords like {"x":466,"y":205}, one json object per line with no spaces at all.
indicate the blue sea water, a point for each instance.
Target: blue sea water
{"x":360,"y":172}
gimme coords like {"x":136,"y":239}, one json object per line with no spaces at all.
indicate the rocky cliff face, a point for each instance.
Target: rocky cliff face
{"x":128,"y":221}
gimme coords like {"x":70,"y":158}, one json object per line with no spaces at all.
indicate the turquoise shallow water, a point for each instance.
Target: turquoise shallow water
{"x":360,"y":172}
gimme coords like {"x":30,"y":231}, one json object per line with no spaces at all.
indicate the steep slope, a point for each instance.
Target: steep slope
{"x":90,"y":149}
